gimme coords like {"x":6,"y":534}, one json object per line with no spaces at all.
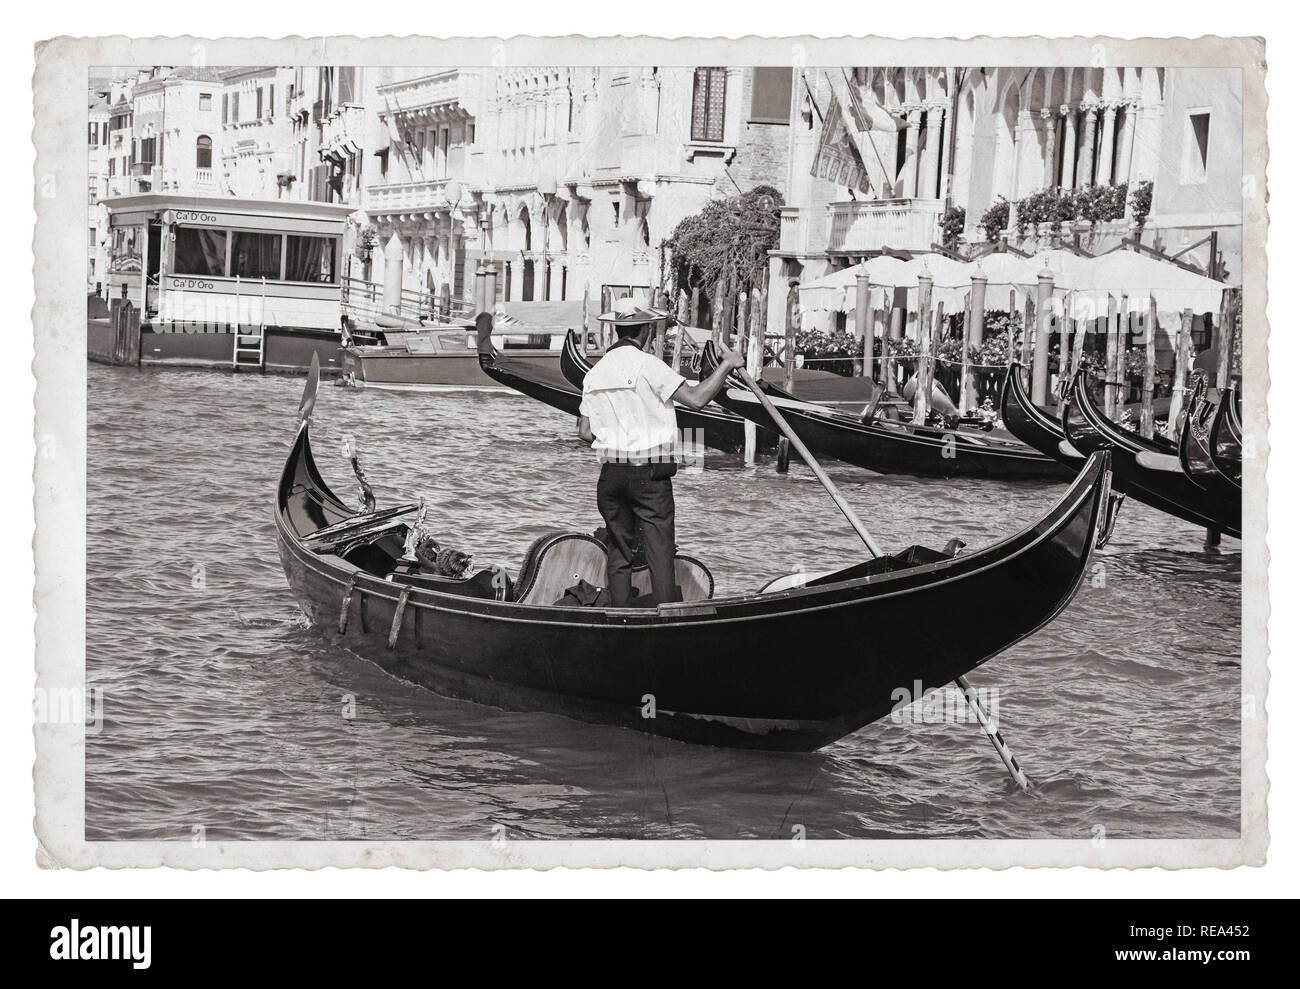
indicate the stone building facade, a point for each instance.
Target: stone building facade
{"x":969,"y":136}
{"x":568,"y":178}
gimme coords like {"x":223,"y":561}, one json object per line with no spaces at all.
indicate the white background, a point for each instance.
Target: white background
{"x":29,"y":23}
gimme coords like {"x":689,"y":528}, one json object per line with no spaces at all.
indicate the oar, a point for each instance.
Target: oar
{"x":994,"y":736}
{"x":808,"y":458}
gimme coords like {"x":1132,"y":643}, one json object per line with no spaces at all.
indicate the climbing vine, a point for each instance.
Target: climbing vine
{"x":727,"y":240}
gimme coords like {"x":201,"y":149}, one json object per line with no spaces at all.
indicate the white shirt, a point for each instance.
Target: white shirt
{"x":628,"y":397}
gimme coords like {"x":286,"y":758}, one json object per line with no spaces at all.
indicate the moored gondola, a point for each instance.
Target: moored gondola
{"x":1194,"y":447}
{"x":734,"y":671}
{"x":1033,"y":425}
{"x":1225,"y":436}
{"x":1041,"y":428}
{"x":1153,"y":478}
{"x":887,"y":446}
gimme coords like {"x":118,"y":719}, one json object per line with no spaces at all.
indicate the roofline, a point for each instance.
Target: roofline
{"x":228,"y":204}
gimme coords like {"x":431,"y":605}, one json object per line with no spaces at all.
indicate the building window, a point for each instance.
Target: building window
{"x":225,"y":108}
{"x":259,"y":102}
{"x":1196,"y":146}
{"x":200,"y":251}
{"x":708,"y":104}
{"x":769,"y":98}
{"x":203,"y":152}
{"x":92,"y":237}
{"x":309,"y":259}
{"x":205,"y":101}
{"x":234,"y":108}
{"x":254,"y":255}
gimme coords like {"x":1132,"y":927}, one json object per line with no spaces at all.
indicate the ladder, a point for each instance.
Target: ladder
{"x":250,"y":348}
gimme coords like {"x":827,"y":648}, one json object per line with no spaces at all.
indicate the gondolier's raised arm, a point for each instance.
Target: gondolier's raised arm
{"x":696,"y":396}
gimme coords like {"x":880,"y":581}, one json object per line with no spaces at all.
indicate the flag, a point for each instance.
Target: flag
{"x":867,"y":113}
{"x":837,"y":158}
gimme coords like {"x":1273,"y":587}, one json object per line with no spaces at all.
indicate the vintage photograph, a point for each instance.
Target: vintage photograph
{"x":776,"y":452}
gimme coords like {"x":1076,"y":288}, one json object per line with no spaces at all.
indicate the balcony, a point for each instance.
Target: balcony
{"x":868,"y":227}
{"x":397,"y":200}
{"x":343,"y":131}
{"x":445,"y":93}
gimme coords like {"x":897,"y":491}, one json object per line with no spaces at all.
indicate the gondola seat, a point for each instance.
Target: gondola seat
{"x":557,"y":561}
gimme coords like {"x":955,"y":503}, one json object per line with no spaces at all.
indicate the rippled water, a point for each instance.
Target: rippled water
{"x":222,"y":708}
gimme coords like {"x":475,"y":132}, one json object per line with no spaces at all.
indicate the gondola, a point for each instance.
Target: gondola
{"x":887,"y":446}
{"x":1225,"y":436}
{"x":1042,"y":430}
{"x":1194,"y":451}
{"x":1032,"y":425}
{"x":785,"y":669}
{"x":718,"y":429}
{"x":1153,"y":478}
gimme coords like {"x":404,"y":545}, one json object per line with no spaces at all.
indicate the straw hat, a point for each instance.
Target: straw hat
{"x":626,"y":312}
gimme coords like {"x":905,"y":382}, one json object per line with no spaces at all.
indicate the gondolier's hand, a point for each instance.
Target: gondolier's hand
{"x":732,"y":360}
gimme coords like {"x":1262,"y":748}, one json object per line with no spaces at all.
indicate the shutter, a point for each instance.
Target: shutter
{"x":769,"y":100}
{"x":225,"y":108}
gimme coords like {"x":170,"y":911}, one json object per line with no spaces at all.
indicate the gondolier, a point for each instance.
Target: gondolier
{"x":628,"y":418}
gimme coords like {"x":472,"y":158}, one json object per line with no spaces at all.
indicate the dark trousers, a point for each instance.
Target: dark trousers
{"x":638,"y":510}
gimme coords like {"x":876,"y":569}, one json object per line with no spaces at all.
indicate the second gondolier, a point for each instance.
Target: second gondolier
{"x":627,"y":416}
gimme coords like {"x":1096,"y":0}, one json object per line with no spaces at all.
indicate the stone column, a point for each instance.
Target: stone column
{"x":933,"y":145}
{"x":1126,"y":143}
{"x":1049,"y":147}
{"x":1068,"y":150}
{"x":913,"y":142}
{"x":1106,"y":161}
{"x":1087,"y":151}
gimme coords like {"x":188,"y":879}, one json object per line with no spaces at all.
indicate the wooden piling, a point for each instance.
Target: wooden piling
{"x":1042,"y":340}
{"x":753,"y":354}
{"x":894,"y":325}
{"x":1147,"y":423}
{"x":925,"y":337}
{"x":787,"y":358}
{"x":973,"y":337}
{"x":964,"y":372}
{"x":1112,"y":358}
{"x":586,"y":316}
{"x":1182,"y":353}
{"x":1225,"y":332}
{"x":1029,"y":328}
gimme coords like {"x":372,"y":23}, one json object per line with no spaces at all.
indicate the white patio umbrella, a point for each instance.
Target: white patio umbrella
{"x":951,"y":279}
{"x":837,"y":292}
{"x":1138,"y":277}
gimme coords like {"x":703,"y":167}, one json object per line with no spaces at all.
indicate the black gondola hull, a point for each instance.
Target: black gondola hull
{"x":896,"y":448}
{"x":789,"y":670}
{"x":1169,"y":490}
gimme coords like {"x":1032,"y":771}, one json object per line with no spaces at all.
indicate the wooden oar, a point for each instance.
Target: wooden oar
{"x":994,"y":736}
{"x":808,"y":458}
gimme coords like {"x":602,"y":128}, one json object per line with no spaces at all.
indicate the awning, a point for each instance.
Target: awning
{"x":1133,"y":280}
{"x":951,"y":281}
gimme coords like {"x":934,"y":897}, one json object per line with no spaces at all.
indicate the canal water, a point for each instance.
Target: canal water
{"x":223,"y":708}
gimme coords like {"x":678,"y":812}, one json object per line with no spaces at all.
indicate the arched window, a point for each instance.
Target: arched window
{"x":203,"y":152}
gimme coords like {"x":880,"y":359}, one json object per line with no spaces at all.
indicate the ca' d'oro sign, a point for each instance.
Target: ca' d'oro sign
{"x":190,"y":283}
{"x":194,"y":216}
